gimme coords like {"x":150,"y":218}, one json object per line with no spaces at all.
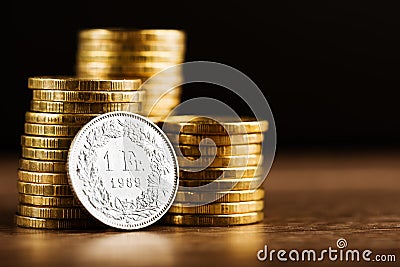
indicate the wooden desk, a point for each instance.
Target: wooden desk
{"x":312,"y":200}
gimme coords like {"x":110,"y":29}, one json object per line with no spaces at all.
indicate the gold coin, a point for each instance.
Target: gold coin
{"x":123,"y":34}
{"x":165,"y":101}
{"x":129,"y":60}
{"x":250,"y":149}
{"x":219,"y":140}
{"x":94,"y":108}
{"x":158,"y":111}
{"x":171,"y":79}
{"x":83,"y":84}
{"x":45,"y":154}
{"x":161,"y":107}
{"x":54,"y":224}
{"x":44,"y":189}
{"x":162,"y":92}
{"x":220,"y":162}
{"x":133,"y":68}
{"x":129,"y":57}
{"x":56,"y":118}
{"x":42,"y":177}
{"x":218,"y":208}
{"x":224,"y":184}
{"x":117,"y":46}
{"x":104,"y":75}
{"x":48,"y":201}
{"x":51,"y":212}
{"x":133,"y":74}
{"x":155,"y":118}
{"x":162,"y":104}
{"x":94,"y":53}
{"x":46,"y":142}
{"x":222,"y":173}
{"x":163,"y":95}
{"x":212,"y":220}
{"x":191,"y":124}
{"x":42,"y":166}
{"x":155,"y":113}
{"x":225,"y":196}
{"x":51,"y":129}
{"x":88,"y":96}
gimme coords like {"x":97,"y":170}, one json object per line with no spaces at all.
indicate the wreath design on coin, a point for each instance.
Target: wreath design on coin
{"x":116,"y":208}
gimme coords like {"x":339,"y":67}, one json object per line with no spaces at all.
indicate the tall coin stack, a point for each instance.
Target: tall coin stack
{"x":133,"y":53}
{"x":60,"y":106}
{"x":228,"y":190}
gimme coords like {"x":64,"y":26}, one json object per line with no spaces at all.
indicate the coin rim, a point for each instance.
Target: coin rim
{"x":195,"y":219}
{"x":247,"y":123}
{"x":65,"y":82}
{"x":223,"y":208}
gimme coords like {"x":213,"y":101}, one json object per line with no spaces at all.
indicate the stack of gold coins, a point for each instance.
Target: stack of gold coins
{"x":221,"y":180}
{"x":60,"y":106}
{"x":136,"y":53}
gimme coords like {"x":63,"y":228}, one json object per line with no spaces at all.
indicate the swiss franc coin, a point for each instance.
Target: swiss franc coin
{"x":123,"y":170}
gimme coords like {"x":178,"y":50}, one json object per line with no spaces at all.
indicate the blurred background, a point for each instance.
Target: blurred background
{"x":329,"y":69}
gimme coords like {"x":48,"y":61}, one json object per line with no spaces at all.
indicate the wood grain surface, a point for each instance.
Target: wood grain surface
{"x":312,"y":199}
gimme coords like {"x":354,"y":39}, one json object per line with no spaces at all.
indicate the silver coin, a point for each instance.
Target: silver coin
{"x":123,"y":170}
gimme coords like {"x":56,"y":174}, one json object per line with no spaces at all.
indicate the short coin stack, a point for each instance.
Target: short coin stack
{"x":131,"y":53}
{"x":60,"y":106}
{"x":226,"y":190}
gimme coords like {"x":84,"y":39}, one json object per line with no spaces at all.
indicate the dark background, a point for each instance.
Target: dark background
{"x":329,"y":69}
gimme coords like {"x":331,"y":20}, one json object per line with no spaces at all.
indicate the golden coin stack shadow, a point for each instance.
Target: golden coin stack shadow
{"x":234,"y":195}
{"x":60,"y":106}
{"x":133,"y":53}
